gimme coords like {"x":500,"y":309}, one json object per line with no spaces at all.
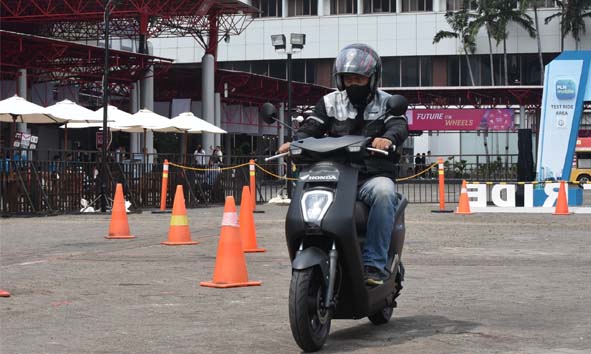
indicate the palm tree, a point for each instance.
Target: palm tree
{"x":572,"y":18}
{"x":460,"y":24}
{"x":508,"y":12}
{"x":534,"y":4}
{"x":486,"y":16}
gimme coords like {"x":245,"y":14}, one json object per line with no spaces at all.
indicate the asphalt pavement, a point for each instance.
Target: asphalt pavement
{"x":481,"y":283}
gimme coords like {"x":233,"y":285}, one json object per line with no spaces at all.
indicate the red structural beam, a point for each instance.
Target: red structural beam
{"x":478,"y":96}
{"x":78,"y":20}
{"x":235,"y":87}
{"x":92,"y":10}
{"x":67,"y":62}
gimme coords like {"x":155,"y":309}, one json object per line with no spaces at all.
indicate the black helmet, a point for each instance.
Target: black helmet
{"x":358,"y":59}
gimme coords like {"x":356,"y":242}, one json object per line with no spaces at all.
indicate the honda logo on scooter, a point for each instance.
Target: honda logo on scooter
{"x":319,"y":178}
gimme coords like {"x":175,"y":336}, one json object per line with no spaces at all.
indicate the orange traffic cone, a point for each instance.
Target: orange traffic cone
{"x":464,"y":206}
{"x":248,"y":232}
{"x":230,"y":265}
{"x":178,"y":233}
{"x":119,"y":228}
{"x":561,"y":202}
{"x":4,"y":293}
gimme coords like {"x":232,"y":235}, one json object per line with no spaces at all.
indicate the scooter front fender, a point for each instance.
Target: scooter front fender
{"x":310,"y":257}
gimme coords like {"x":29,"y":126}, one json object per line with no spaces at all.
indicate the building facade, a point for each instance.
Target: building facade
{"x":402,"y":32}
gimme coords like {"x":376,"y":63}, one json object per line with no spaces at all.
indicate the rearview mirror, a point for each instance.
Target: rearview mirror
{"x":397,"y":105}
{"x":268,"y":113}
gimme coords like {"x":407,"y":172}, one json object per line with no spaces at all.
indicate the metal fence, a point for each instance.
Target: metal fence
{"x":44,"y":187}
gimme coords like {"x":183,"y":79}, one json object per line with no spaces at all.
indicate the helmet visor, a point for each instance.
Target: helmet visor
{"x":355,"y":61}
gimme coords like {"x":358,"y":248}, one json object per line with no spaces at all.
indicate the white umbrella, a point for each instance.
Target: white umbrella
{"x":18,"y":110}
{"x":116,"y":118}
{"x":73,"y":112}
{"x":145,"y":120}
{"x":188,"y":123}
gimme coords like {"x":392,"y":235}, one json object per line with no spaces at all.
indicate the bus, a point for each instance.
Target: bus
{"x":581,"y":171}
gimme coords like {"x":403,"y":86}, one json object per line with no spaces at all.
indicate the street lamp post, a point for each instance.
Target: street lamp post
{"x":103,"y":174}
{"x":297,"y":42}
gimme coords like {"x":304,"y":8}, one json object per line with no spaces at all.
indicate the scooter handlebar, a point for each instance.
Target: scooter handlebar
{"x":384,"y":152}
{"x":274,"y":157}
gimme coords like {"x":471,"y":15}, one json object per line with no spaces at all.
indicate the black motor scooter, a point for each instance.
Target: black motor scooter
{"x":325,"y":231}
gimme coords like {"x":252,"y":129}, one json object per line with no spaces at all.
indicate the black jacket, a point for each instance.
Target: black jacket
{"x":335,"y":116}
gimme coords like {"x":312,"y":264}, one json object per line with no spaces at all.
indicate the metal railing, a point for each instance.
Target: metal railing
{"x":41,"y":186}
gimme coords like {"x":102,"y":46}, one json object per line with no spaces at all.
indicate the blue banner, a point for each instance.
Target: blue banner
{"x":566,"y":86}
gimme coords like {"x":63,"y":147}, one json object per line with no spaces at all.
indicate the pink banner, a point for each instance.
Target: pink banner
{"x":460,"y":119}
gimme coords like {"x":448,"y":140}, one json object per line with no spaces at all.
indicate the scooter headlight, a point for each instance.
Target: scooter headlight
{"x":315,"y":204}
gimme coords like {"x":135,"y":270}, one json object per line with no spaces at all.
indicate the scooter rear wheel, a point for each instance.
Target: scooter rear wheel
{"x":309,"y":319}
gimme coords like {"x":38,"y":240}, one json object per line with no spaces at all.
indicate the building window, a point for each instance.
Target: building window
{"x":338,"y":7}
{"x":310,"y":72}
{"x":269,"y":8}
{"x":377,"y":6}
{"x":260,"y":67}
{"x":426,"y":71}
{"x":417,"y":5}
{"x":278,"y":69}
{"x":390,"y":72}
{"x":410,"y":71}
{"x":302,"y":8}
{"x":298,"y":70}
{"x":544,"y":3}
{"x":455,"y":5}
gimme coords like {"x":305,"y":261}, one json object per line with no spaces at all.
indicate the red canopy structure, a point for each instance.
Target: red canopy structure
{"x":236,"y":87}
{"x":69,"y":63}
{"x":82,"y":20}
{"x":473,"y":96}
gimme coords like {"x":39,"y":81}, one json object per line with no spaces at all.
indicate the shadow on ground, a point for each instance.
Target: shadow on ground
{"x":397,"y":331}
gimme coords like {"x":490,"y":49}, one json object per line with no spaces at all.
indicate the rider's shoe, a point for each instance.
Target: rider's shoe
{"x":373,"y":276}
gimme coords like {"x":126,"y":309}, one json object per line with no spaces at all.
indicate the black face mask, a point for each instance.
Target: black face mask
{"x":358,"y":95}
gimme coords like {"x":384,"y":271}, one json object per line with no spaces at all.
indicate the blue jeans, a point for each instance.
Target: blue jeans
{"x":379,"y":193}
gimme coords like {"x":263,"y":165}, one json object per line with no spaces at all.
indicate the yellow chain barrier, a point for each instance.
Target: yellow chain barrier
{"x":208,"y":169}
{"x":274,"y":175}
{"x":418,"y":174}
{"x":397,"y":180}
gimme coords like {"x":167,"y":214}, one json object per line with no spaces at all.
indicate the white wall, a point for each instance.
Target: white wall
{"x":399,"y":34}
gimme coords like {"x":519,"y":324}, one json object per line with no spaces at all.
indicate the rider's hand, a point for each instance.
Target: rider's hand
{"x":381,"y":143}
{"x":284,"y":148}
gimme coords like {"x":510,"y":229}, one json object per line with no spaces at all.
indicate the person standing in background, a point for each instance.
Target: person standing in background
{"x":200,"y":156}
{"x":220,"y":154}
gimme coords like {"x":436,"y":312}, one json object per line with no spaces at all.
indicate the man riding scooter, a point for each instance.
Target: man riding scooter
{"x":355,"y":109}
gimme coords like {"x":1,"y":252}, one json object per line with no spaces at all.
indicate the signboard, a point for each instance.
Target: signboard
{"x":504,"y":195}
{"x":99,"y":138}
{"x":565,"y":82}
{"x":460,"y":119}
{"x":25,"y":141}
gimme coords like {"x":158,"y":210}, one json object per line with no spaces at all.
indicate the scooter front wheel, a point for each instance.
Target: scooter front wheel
{"x":309,"y":319}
